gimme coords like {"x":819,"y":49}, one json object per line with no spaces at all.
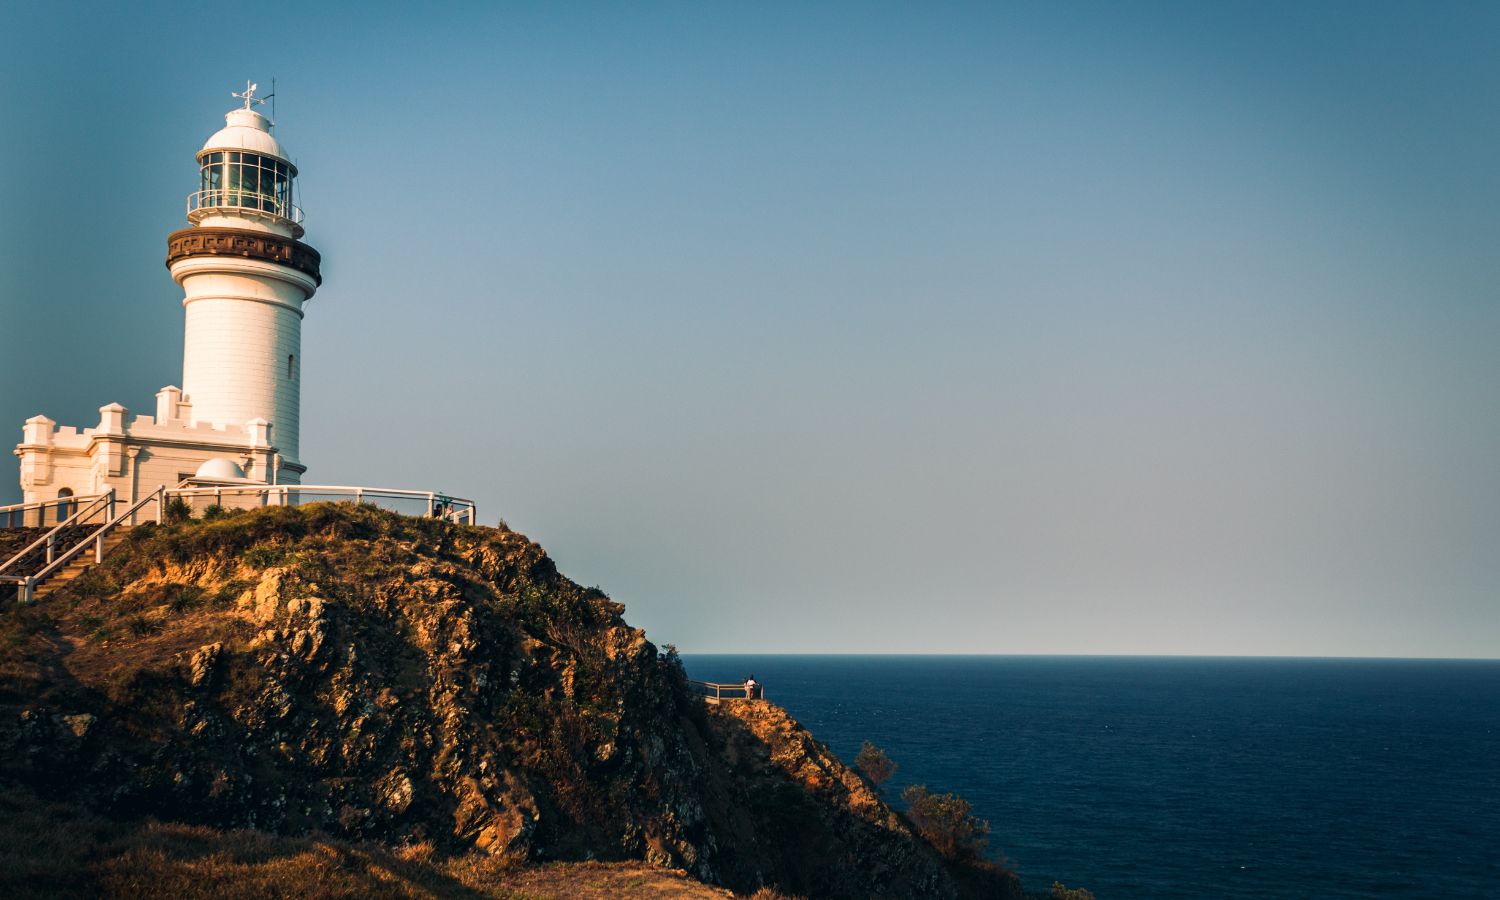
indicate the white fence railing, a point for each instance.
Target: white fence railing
{"x":97,"y":506}
{"x":254,"y":496}
{"x":199,"y":500}
{"x":57,"y":558}
{"x":42,"y":513}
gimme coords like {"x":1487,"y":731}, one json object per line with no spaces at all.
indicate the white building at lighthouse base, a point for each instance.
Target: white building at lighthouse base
{"x":132,"y":455}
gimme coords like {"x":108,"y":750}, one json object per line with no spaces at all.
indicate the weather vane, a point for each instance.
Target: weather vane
{"x":249,"y":95}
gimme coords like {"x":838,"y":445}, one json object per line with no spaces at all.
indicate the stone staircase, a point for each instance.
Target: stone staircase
{"x":80,"y":563}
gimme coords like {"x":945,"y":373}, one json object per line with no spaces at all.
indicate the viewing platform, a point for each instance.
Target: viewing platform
{"x":714,"y":693}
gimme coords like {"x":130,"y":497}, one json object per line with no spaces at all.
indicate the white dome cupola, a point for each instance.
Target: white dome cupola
{"x":245,"y":176}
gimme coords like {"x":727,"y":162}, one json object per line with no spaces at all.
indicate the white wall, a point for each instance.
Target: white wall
{"x":241,"y":329}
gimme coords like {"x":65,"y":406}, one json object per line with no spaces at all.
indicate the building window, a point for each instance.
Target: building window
{"x":291,"y":361}
{"x":64,"y":504}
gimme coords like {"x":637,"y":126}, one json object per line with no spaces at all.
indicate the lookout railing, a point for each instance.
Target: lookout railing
{"x":714,"y":692}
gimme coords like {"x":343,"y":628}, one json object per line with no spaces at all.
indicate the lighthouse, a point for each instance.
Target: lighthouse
{"x":246,"y":278}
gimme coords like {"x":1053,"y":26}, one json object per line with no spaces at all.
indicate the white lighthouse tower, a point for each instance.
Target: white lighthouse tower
{"x":228,"y":438}
{"x":245,"y":278}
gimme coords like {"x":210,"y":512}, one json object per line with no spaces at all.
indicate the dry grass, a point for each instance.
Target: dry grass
{"x":53,"y":850}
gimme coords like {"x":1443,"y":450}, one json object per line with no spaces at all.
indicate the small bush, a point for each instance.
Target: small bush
{"x":230,"y":592}
{"x":177,"y":511}
{"x":190,"y":596}
{"x":140,"y":626}
{"x":945,"y":821}
{"x":212,"y":512}
{"x":92,"y":586}
{"x":1061,"y":891}
{"x":263,"y":556}
{"x":873,"y":761}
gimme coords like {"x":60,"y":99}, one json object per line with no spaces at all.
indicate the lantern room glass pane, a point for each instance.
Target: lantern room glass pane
{"x":247,"y":181}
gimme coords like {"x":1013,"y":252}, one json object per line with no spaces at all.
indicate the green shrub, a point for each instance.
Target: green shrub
{"x":212,"y":512}
{"x":229,"y":592}
{"x":177,"y":511}
{"x":263,"y":556}
{"x":945,"y":821}
{"x":189,"y":596}
{"x":140,"y":626}
{"x":1061,"y":891}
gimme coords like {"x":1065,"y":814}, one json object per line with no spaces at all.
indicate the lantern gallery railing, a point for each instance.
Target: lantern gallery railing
{"x":252,"y":496}
{"x":230,"y":198}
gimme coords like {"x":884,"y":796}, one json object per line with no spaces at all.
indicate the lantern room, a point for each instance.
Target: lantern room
{"x":244,"y":174}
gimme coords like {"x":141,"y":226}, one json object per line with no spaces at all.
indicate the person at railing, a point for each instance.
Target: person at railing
{"x":752,"y":688}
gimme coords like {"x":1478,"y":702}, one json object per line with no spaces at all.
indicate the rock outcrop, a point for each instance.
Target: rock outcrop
{"x":345,"y":671}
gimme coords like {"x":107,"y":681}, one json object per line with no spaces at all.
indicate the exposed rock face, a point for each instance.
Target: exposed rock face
{"x":343,"y":670}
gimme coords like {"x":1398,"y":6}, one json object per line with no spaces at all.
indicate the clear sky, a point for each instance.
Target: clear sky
{"x":1057,"y":327}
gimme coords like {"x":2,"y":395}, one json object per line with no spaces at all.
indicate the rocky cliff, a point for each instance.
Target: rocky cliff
{"x":344,"y":671}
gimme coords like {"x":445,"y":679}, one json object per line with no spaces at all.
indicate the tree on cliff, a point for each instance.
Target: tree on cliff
{"x":873,"y":761}
{"x":946,"y":822}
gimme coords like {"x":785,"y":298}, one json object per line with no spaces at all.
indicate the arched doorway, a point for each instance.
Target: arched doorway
{"x":65,"y":504}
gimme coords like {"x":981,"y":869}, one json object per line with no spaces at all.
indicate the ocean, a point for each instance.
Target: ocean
{"x":1173,"y":777}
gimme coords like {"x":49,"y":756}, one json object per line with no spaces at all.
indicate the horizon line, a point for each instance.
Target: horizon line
{"x":1102,"y":654}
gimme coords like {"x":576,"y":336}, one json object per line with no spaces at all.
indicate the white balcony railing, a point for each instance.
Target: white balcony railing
{"x":242,"y":201}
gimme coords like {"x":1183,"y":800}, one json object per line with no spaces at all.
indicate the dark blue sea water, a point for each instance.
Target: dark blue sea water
{"x":1185,"y":777}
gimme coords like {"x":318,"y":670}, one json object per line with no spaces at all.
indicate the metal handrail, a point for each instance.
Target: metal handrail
{"x":10,"y":511}
{"x":234,"y":198}
{"x":96,"y":538}
{"x":50,"y":538}
{"x":453,"y":509}
{"x":736,"y":690}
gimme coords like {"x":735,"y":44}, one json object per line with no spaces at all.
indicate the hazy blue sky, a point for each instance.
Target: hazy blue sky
{"x":933,"y":327}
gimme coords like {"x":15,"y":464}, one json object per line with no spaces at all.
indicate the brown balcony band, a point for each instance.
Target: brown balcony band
{"x":246,"y":245}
